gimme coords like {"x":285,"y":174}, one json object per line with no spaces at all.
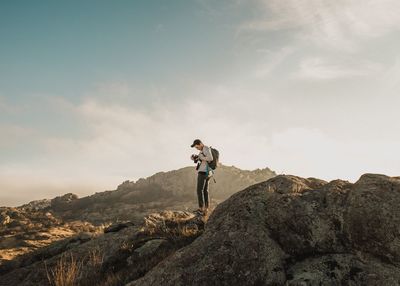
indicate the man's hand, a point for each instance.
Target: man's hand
{"x":194,"y":157}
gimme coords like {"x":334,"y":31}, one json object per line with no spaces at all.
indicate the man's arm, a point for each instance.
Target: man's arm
{"x":206,"y":154}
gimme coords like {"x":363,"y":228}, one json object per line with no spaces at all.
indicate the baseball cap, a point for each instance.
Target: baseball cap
{"x":196,"y":142}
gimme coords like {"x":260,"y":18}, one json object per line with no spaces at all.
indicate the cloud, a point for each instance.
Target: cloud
{"x":12,"y":134}
{"x":124,"y":139}
{"x":316,"y":40}
{"x":118,"y":139}
{"x":325,"y":69}
{"x":271,"y":59}
{"x":341,"y":24}
{"x":390,"y":79}
{"x":8,"y":108}
{"x":315,"y":153}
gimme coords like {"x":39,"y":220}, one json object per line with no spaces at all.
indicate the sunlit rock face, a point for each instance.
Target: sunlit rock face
{"x":295,"y":231}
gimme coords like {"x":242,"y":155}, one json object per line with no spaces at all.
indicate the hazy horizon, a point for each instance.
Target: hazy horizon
{"x":97,"y":92}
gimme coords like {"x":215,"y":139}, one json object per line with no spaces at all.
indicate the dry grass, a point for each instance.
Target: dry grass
{"x":95,"y":258}
{"x":184,"y":231}
{"x":70,"y":271}
{"x":168,"y":225}
{"x":93,"y":263}
{"x":66,"y":272}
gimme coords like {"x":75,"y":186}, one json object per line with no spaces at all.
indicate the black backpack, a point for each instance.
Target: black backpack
{"x":214,"y":163}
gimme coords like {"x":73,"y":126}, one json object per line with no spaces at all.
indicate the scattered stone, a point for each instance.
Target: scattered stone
{"x":118,"y":226}
{"x":4,"y":219}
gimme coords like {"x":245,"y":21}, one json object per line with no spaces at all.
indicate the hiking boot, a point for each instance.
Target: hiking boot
{"x":199,"y":211}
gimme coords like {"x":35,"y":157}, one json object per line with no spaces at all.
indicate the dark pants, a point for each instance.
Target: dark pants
{"x":202,"y":189}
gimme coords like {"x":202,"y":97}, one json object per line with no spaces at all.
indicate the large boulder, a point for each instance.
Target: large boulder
{"x":295,"y":231}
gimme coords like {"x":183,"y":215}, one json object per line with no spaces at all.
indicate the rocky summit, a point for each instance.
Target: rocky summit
{"x":294,"y":231}
{"x":283,"y":231}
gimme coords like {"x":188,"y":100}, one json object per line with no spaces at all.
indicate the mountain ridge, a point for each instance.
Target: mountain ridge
{"x":41,"y":222}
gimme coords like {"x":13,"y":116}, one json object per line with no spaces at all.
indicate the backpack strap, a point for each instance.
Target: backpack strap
{"x":212,"y":169}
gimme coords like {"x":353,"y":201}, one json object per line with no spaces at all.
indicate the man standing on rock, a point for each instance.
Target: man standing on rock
{"x":204,"y":173}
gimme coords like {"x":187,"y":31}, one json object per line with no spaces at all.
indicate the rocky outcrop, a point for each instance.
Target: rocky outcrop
{"x":111,"y":258}
{"x":36,"y":205}
{"x":63,"y":202}
{"x":295,"y":231}
{"x":27,"y":228}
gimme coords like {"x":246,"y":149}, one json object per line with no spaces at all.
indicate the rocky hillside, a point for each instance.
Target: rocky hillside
{"x":40,"y":223}
{"x":24,"y":229}
{"x":295,"y":231}
{"x":284,"y":231}
{"x":165,"y":190}
{"x":123,"y":253}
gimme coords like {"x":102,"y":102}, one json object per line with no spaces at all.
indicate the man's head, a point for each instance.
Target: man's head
{"x":197,"y":144}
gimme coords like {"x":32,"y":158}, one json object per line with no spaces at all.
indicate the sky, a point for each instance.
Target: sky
{"x":93,"y":93}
